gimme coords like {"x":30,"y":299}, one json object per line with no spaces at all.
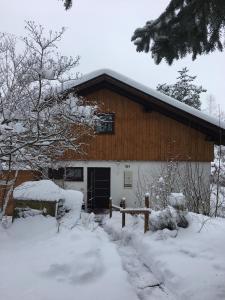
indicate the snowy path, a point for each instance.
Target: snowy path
{"x":36,"y":263}
{"x":146,"y":285}
{"x":140,"y":276}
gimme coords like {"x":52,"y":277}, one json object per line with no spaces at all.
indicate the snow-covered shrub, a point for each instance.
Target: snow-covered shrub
{"x":158,"y":185}
{"x":169,"y":218}
{"x":188,"y":178}
{"x":166,"y":218}
{"x":217,"y":200}
{"x":181,"y":219}
{"x":62,"y":209}
{"x":178,"y":202}
{"x":88,"y":221}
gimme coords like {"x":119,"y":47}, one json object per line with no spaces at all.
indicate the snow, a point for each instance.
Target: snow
{"x":37,"y":263}
{"x":221,"y":200}
{"x":85,"y":261}
{"x":177,"y":200}
{"x":189,"y":262}
{"x":47,"y":190}
{"x":166,"y":218}
{"x":44,"y":190}
{"x":161,"y":97}
{"x":161,"y":180}
{"x":129,"y":209}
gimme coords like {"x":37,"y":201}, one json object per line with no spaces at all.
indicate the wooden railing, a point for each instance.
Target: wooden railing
{"x":132,"y":211}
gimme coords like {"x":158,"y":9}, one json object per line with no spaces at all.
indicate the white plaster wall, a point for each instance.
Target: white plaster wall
{"x":140,"y":169}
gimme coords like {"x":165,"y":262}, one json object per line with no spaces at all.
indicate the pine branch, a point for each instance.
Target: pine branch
{"x":195,"y":26}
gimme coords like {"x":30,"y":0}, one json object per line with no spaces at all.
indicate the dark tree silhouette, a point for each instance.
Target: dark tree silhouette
{"x":186,"y":26}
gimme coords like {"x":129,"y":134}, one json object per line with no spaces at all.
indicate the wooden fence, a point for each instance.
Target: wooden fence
{"x":132,"y":211}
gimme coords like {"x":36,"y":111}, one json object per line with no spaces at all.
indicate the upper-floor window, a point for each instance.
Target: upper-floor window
{"x":105,"y":123}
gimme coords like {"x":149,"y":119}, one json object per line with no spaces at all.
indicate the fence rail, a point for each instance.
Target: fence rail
{"x":132,"y":211}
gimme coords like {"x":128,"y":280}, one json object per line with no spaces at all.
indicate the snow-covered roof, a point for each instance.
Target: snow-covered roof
{"x":149,"y":91}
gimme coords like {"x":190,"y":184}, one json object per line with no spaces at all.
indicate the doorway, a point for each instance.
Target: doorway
{"x":98,"y":188}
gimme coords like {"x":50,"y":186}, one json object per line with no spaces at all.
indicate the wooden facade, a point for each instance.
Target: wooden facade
{"x":142,"y":135}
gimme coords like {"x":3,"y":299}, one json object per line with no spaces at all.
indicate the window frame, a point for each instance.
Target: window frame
{"x":77,"y":179}
{"x":113,"y":123}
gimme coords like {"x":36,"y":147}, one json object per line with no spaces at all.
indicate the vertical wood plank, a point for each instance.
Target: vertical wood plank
{"x":141,"y":135}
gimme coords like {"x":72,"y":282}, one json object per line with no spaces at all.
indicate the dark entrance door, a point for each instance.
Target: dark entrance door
{"x":98,"y":188}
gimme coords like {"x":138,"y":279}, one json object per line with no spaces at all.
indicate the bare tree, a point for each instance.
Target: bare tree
{"x":159,"y":185}
{"x":188,"y":178}
{"x":218,"y":165}
{"x":39,"y":118}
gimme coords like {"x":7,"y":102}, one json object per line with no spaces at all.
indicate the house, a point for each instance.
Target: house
{"x":139,"y":132}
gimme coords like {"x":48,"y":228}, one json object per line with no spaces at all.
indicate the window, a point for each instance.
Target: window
{"x":56,"y":173}
{"x":105,"y":124}
{"x":74,"y":174}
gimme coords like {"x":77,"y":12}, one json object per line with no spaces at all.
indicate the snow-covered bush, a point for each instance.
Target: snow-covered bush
{"x":167,"y":218}
{"x":190,"y":178}
{"x":159,"y":186}
{"x":178,"y":202}
{"x":217,"y":203}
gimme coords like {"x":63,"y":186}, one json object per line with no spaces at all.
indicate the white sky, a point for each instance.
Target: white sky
{"x":100,"y":32}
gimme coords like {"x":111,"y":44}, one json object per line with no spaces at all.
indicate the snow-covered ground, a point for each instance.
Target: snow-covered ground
{"x":45,"y":259}
{"x":187,"y":263}
{"x":74,"y":258}
{"x":37,"y":263}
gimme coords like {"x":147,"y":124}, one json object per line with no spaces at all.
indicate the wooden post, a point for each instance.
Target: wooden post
{"x":123,"y":205}
{"x":110,"y":207}
{"x":146,"y":223}
{"x":147,"y":200}
{"x":123,"y":219}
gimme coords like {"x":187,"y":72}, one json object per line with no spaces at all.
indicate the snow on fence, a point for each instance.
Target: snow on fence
{"x":132,"y":211}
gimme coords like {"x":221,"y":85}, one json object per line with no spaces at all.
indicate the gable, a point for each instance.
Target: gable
{"x":141,"y":134}
{"x":151,"y":100}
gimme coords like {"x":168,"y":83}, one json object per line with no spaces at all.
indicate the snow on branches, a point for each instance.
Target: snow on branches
{"x":184,"y":90}
{"x":184,"y":27}
{"x":38,"y":119}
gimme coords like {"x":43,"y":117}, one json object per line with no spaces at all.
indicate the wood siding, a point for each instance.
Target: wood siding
{"x":141,"y":135}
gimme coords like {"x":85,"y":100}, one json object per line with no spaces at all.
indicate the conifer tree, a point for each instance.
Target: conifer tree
{"x":186,"y":26}
{"x":68,"y":4}
{"x":183,"y":90}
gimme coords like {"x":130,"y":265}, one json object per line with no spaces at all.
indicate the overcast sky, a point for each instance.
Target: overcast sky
{"x":100,"y":32}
